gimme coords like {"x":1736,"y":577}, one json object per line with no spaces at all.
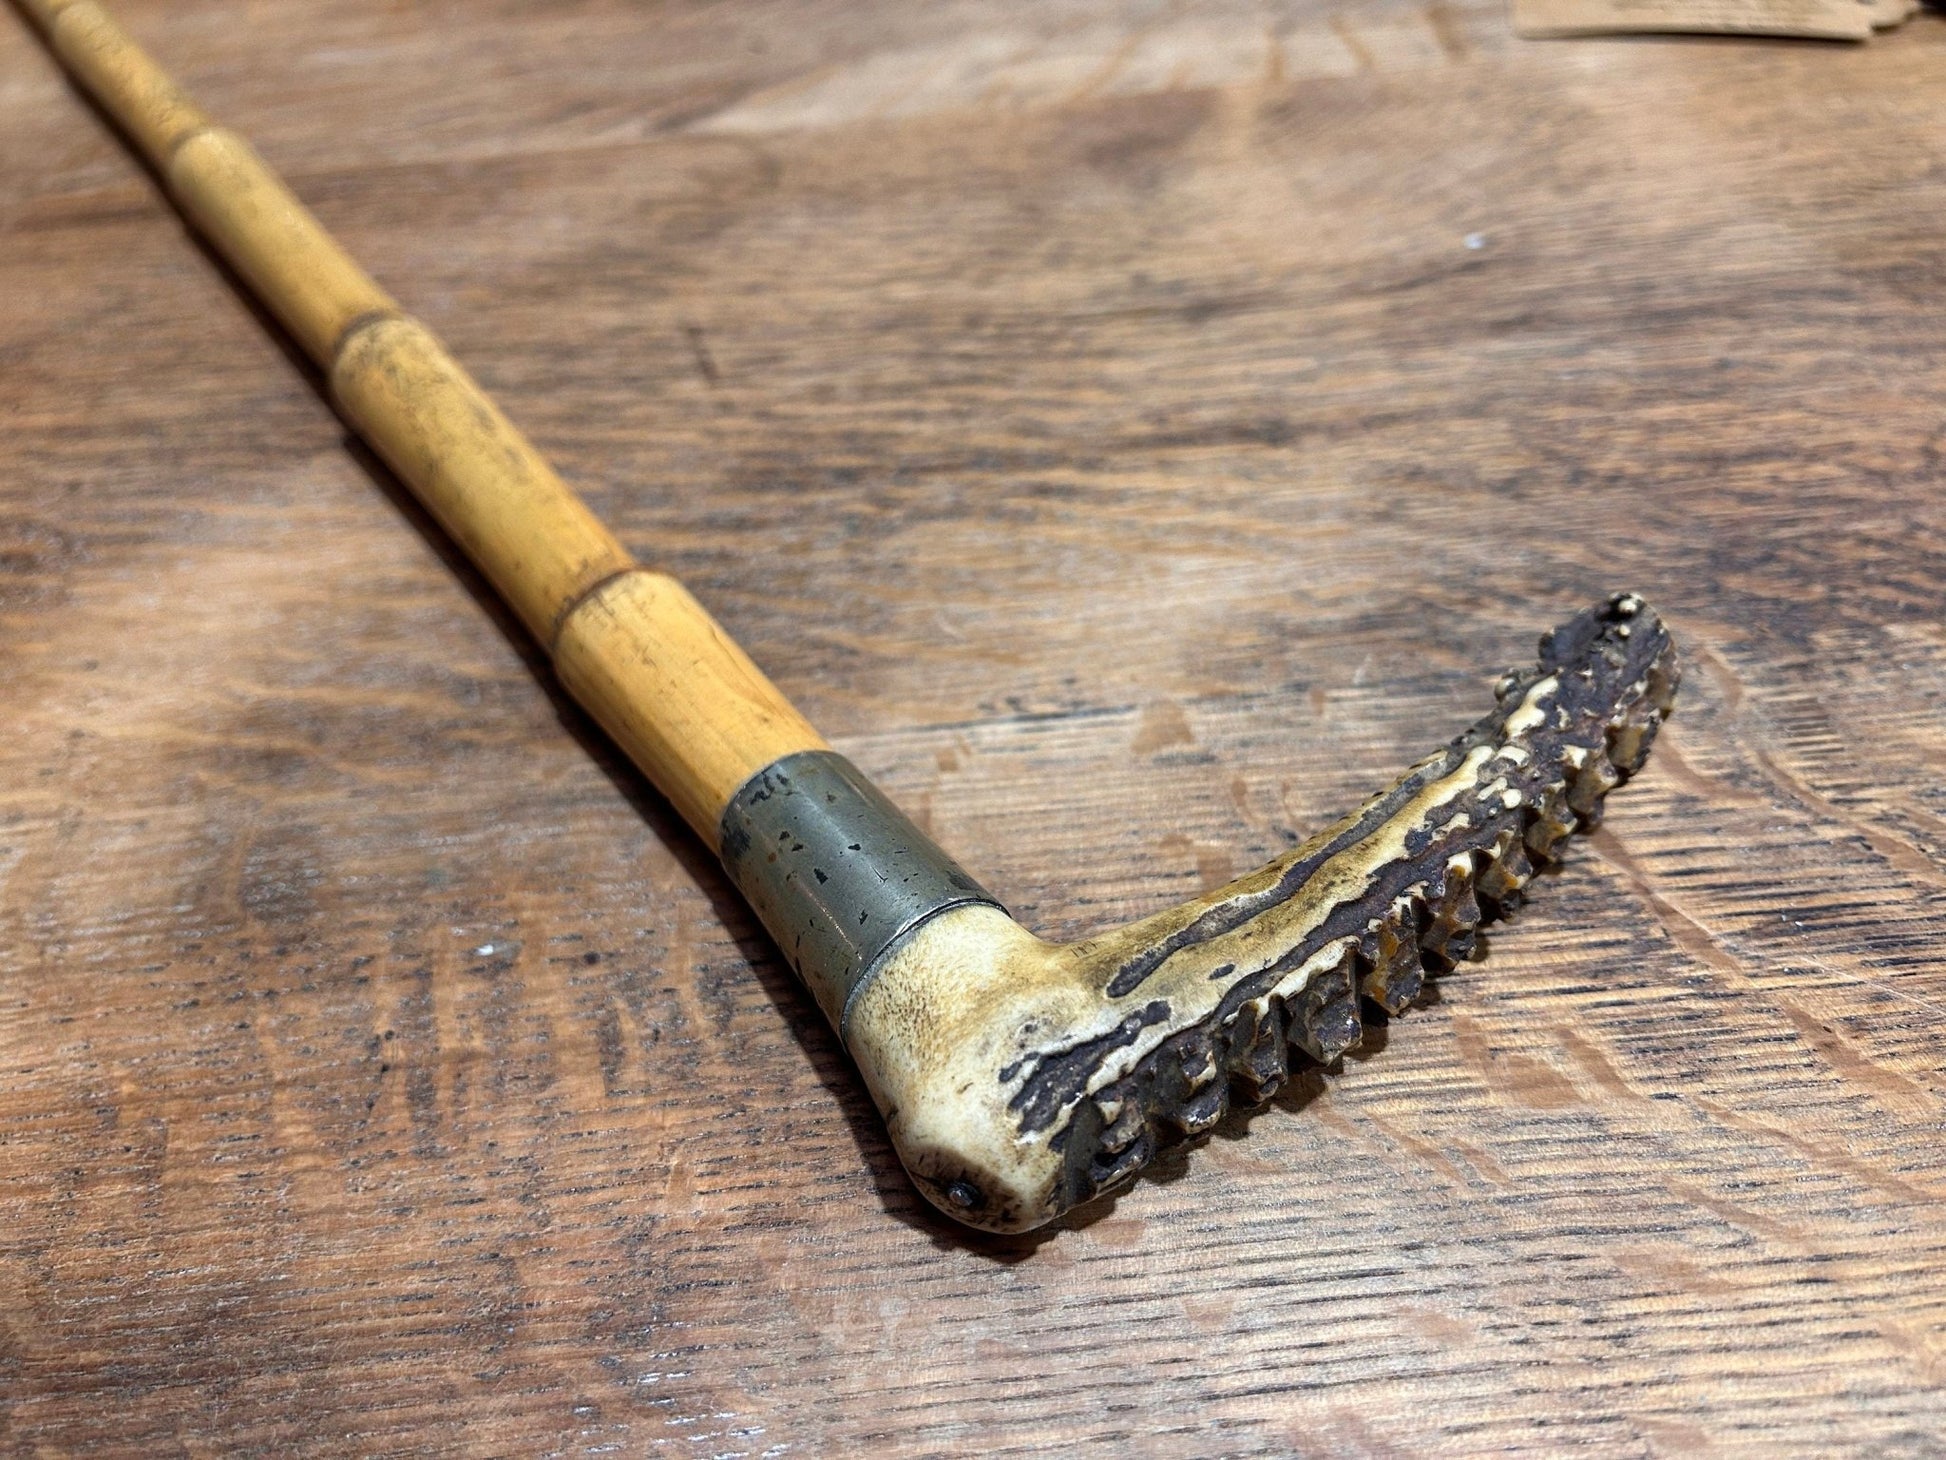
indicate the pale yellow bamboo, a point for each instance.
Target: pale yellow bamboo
{"x":118,"y":74}
{"x":312,"y":285}
{"x":489,"y":488}
{"x":676,"y":693}
{"x":632,"y":645}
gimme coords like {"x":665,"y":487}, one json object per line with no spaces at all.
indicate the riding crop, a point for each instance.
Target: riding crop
{"x":1017,"y":1077}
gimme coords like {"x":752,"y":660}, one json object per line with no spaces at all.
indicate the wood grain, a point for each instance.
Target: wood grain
{"x":1133,"y":435}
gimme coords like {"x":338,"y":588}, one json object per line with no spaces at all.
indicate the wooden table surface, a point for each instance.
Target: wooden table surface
{"x":1132,"y":432}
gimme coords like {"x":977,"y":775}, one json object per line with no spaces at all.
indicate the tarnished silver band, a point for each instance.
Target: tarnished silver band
{"x":834,"y":870}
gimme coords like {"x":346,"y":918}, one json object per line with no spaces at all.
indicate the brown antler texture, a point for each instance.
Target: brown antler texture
{"x":1019,"y":1078}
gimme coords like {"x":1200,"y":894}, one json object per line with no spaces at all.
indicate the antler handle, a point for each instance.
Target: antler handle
{"x":1020,"y":1078}
{"x":1017,"y":1077}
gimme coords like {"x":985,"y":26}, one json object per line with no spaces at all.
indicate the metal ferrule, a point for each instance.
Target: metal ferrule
{"x":836,"y":872}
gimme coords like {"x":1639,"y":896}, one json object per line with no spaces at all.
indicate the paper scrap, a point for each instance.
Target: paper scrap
{"x":1845,"y":20}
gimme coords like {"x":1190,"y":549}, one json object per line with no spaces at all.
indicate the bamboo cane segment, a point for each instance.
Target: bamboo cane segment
{"x":491,"y":490}
{"x":674,"y":691}
{"x":118,"y":74}
{"x":311,"y":284}
{"x":315,"y":288}
{"x":639,"y":652}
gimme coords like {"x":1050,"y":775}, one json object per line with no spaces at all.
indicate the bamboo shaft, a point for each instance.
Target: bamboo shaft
{"x":630,"y":643}
{"x":483,"y":480}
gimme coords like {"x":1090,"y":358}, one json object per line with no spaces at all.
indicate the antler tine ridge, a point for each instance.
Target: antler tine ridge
{"x":1077,"y":1063}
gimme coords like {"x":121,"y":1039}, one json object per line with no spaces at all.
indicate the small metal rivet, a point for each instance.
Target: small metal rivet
{"x":963,"y":1194}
